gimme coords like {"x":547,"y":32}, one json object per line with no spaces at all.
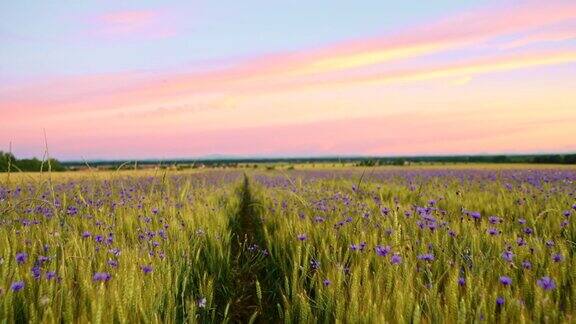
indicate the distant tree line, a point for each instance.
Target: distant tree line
{"x":535,"y":159}
{"x":9,"y":161}
{"x":355,"y":160}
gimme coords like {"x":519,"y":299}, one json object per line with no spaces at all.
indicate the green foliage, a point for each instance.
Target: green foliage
{"x":8,"y":161}
{"x":225,"y":250}
{"x":374,"y":290}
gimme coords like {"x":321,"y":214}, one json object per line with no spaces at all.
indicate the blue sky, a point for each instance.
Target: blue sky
{"x":143,"y":79}
{"x":48,"y":37}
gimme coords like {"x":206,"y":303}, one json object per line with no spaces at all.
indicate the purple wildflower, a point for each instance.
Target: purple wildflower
{"x":507,"y":256}
{"x":43,"y":259}
{"x":86,"y":234}
{"x":21,"y":257}
{"x":146,"y":269}
{"x":101,"y":276}
{"x":382,"y":250}
{"x":520,"y":241}
{"x":461,"y":281}
{"x":17,"y":286}
{"x":302,"y":237}
{"x":201,"y":302}
{"x":493,"y":231}
{"x":36,"y":272}
{"x":494,"y":219}
{"x":506,"y":281}
{"x":396,"y":259}
{"x":426,"y":257}
{"x":546,"y":283}
{"x":500,"y":301}
{"x":526,"y":265}
{"x":326,"y":282}
{"x":50,"y":275}
{"x":557,"y":257}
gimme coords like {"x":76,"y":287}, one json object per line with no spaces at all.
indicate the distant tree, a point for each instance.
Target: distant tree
{"x":9,"y":161}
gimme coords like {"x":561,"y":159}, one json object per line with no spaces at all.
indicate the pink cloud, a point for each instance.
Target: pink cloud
{"x":132,"y":24}
{"x":152,"y":113}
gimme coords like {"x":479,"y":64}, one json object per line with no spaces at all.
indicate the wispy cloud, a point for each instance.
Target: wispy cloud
{"x":139,"y":24}
{"x":289,"y":89}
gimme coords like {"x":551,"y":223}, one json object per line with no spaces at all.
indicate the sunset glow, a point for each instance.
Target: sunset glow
{"x":188,"y":80}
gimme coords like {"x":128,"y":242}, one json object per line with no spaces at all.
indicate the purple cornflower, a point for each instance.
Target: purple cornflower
{"x":17,"y":286}
{"x":500,"y":301}
{"x":319,"y":219}
{"x":113,"y":263}
{"x":506,"y":281}
{"x":493,"y":231}
{"x":302,"y":237}
{"x":43,"y":259}
{"x":494,"y":219}
{"x":86,"y":234}
{"x":475,"y":215}
{"x":522,"y":221}
{"x":382,"y":250}
{"x":99,"y":238}
{"x":546,"y":283}
{"x":528,"y":231}
{"x":21,"y":257}
{"x":566,"y":213}
{"x":461,"y":281}
{"x":526,"y":265}
{"x":507,"y":256}
{"x":101,"y":276}
{"x":50,"y":275}
{"x":201,"y":302}
{"x":520,"y":241}
{"x":326,"y":282}
{"x":557,"y":257}
{"x":36,"y":272}
{"x":354,"y":247}
{"x":426,"y":257}
{"x":146,"y":269}
{"x":396,"y":259}
{"x":549,"y":243}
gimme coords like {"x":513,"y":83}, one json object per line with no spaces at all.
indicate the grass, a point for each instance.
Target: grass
{"x":303,"y":245}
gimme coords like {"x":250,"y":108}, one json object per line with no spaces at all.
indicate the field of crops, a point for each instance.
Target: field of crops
{"x":397,"y":244}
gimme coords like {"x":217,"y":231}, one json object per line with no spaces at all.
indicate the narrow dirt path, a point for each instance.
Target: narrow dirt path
{"x":254,"y":300}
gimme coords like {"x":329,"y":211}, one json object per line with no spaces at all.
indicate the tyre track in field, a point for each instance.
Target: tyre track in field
{"x":254,"y":293}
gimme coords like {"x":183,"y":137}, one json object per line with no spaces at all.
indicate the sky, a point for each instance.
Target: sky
{"x":184,"y":79}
